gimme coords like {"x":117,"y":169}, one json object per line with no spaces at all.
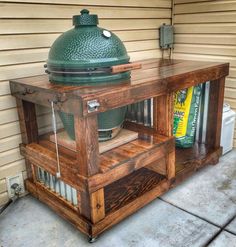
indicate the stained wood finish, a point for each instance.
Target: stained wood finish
{"x":115,"y":184}
{"x":125,"y":190}
{"x":114,"y":164}
{"x":188,"y":161}
{"x":28,"y":127}
{"x":116,"y":216}
{"x":46,"y":159}
{"x":214,"y":121}
{"x":92,"y":205}
{"x":28,"y":121}
{"x":97,"y":205}
{"x":160,"y":168}
{"x":166,"y":76}
{"x":86,"y":137}
{"x":124,"y":136}
{"x":163,"y":124}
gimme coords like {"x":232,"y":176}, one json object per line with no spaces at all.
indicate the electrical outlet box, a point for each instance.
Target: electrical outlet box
{"x":166,"y":36}
{"x":17,"y":179}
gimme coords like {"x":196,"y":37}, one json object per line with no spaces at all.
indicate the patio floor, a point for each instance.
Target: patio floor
{"x":199,"y":212}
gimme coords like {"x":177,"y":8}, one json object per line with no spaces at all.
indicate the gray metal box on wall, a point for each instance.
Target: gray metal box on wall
{"x":166,"y":36}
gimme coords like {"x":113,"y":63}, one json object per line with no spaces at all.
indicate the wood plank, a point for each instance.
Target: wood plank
{"x":97,"y":206}
{"x":124,"y":93}
{"x":46,"y":159}
{"x":160,"y":168}
{"x":214,"y":121}
{"x":28,"y":122}
{"x":86,"y":137}
{"x":156,"y":153}
{"x":125,"y":190}
{"x":163,"y":118}
{"x":163,"y":114}
{"x":123,"y":137}
{"x":190,"y":160}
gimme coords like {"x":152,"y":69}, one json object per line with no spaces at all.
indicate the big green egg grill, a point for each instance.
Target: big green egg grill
{"x":85,"y":55}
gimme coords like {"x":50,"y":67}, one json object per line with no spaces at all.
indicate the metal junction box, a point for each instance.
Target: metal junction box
{"x":166,"y":36}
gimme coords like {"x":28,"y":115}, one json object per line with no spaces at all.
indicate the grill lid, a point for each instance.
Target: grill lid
{"x":86,"y":47}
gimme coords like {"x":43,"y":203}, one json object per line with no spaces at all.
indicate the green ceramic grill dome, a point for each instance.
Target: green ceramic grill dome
{"x":85,"y":49}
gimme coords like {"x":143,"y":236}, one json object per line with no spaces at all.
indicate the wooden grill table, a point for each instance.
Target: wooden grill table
{"x":112,"y":185}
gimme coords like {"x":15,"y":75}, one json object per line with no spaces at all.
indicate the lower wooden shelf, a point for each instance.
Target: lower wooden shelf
{"x":127,"y":189}
{"x":130,"y":193}
{"x":190,"y":160}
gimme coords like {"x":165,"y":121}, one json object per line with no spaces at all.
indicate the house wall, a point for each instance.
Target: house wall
{"x":206,"y":30}
{"x":27,"y":30}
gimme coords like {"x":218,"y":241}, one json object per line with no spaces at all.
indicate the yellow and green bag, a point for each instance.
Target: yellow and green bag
{"x":186,"y":107}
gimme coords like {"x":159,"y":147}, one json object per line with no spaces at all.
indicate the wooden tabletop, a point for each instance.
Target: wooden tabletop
{"x":156,"y":77}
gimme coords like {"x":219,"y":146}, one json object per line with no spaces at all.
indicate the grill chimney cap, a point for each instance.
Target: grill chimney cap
{"x":85,"y":19}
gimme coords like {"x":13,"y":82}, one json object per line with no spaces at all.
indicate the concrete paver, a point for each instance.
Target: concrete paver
{"x":225,"y":239}
{"x":210,"y":193}
{"x":232,"y":227}
{"x":30,"y":223}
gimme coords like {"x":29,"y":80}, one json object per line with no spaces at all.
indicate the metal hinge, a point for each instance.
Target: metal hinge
{"x":93,"y":105}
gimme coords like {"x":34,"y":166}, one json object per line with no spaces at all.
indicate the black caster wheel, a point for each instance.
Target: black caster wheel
{"x":91,"y":239}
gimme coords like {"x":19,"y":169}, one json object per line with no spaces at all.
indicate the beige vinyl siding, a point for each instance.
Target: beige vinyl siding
{"x":206,"y":30}
{"x":27,"y":30}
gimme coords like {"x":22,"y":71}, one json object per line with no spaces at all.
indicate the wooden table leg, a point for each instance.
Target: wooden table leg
{"x":163,"y":124}
{"x":28,"y":127}
{"x":86,"y":133}
{"x":215,"y":109}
